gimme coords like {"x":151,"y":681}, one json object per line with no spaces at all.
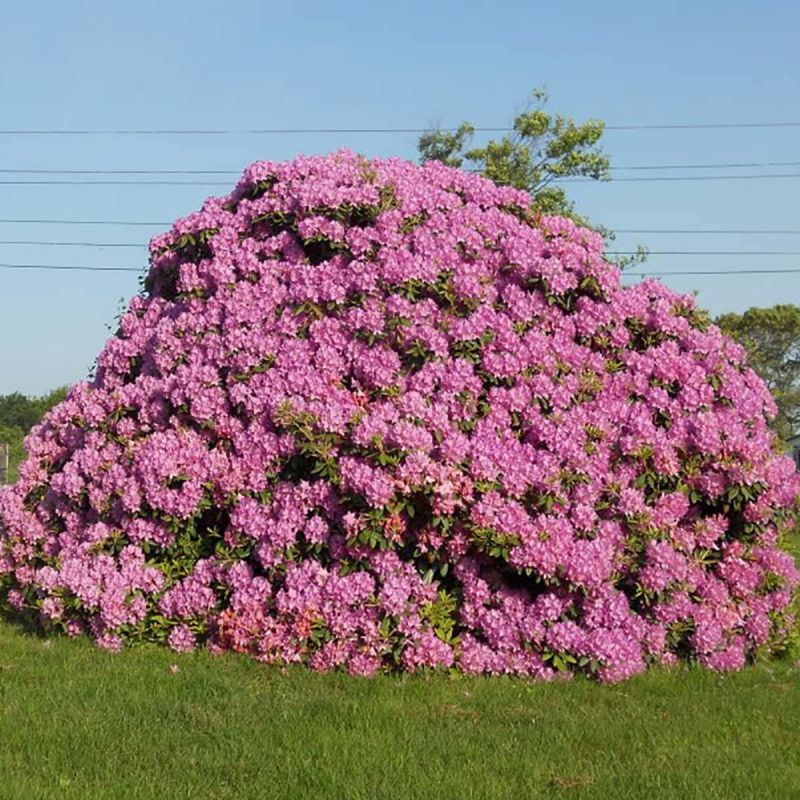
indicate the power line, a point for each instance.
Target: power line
{"x":702,"y":126}
{"x":712,"y":231}
{"x":711,"y":272}
{"x":233,"y":172}
{"x":36,"y":243}
{"x":79,"y":222}
{"x":231,"y":131}
{"x":69,"y":267}
{"x":142,"y":171}
{"x":292,"y":131}
{"x":163,"y":223}
{"x":705,"y":252}
{"x":681,"y":178}
{"x":139,"y":245}
{"x":114,"y":183}
{"x":70,"y":182}
{"x":76,"y":267}
{"x":731,"y":165}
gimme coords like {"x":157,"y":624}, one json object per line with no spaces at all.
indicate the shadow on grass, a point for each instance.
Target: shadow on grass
{"x":29,"y":622}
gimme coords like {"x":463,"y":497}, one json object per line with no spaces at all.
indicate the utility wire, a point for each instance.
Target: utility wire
{"x":711,"y":231}
{"x":227,"y":184}
{"x":263,"y":131}
{"x":711,"y":272}
{"x":37,"y":243}
{"x":80,"y":222}
{"x":232,"y":131}
{"x":703,"y":231}
{"x":679,"y":178}
{"x":76,"y":267}
{"x":701,"y":126}
{"x":705,"y":252}
{"x":163,"y":223}
{"x":732,"y":165}
{"x":232,"y":172}
{"x":114,"y":183}
{"x":159,"y":171}
{"x":140,"y":245}
{"x":69,"y":267}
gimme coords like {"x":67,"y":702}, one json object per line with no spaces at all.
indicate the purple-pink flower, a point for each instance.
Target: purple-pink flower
{"x":370,"y":415}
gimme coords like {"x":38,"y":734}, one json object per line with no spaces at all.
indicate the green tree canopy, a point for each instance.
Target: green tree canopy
{"x":540,"y":149}
{"x":18,"y":414}
{"x":772,"y":339}
{"x":44,"y":403}
{"x":19,"y":411}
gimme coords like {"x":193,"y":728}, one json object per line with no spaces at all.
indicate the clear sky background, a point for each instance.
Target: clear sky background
{"x":176,"y":64}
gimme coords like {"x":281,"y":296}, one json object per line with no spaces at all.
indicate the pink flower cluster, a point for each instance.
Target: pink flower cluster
{"x":372,"y":415}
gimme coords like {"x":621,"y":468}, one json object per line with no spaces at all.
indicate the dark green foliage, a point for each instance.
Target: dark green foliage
{"x":541,"y":149}
{"x":18,"y":414}
{"x":771,"y":337}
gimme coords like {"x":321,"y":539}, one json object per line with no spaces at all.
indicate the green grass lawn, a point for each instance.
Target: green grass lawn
{"x":76,"y":722}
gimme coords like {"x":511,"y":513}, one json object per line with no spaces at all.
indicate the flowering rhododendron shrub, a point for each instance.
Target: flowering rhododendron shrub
{"x":372,"y":415}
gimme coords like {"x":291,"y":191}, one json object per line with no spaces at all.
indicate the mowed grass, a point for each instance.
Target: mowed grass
{"x":76,"y":722}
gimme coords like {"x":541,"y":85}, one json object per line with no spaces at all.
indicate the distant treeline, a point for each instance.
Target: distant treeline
{"x":18,"y":414}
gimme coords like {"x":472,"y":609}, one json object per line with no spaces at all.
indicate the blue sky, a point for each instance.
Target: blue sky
{"x":368,"y":64}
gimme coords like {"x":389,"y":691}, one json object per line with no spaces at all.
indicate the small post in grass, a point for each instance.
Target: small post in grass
{"x":4,"y":448}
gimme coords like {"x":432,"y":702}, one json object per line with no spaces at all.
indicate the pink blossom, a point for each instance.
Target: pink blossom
{"x":368,"y":415}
